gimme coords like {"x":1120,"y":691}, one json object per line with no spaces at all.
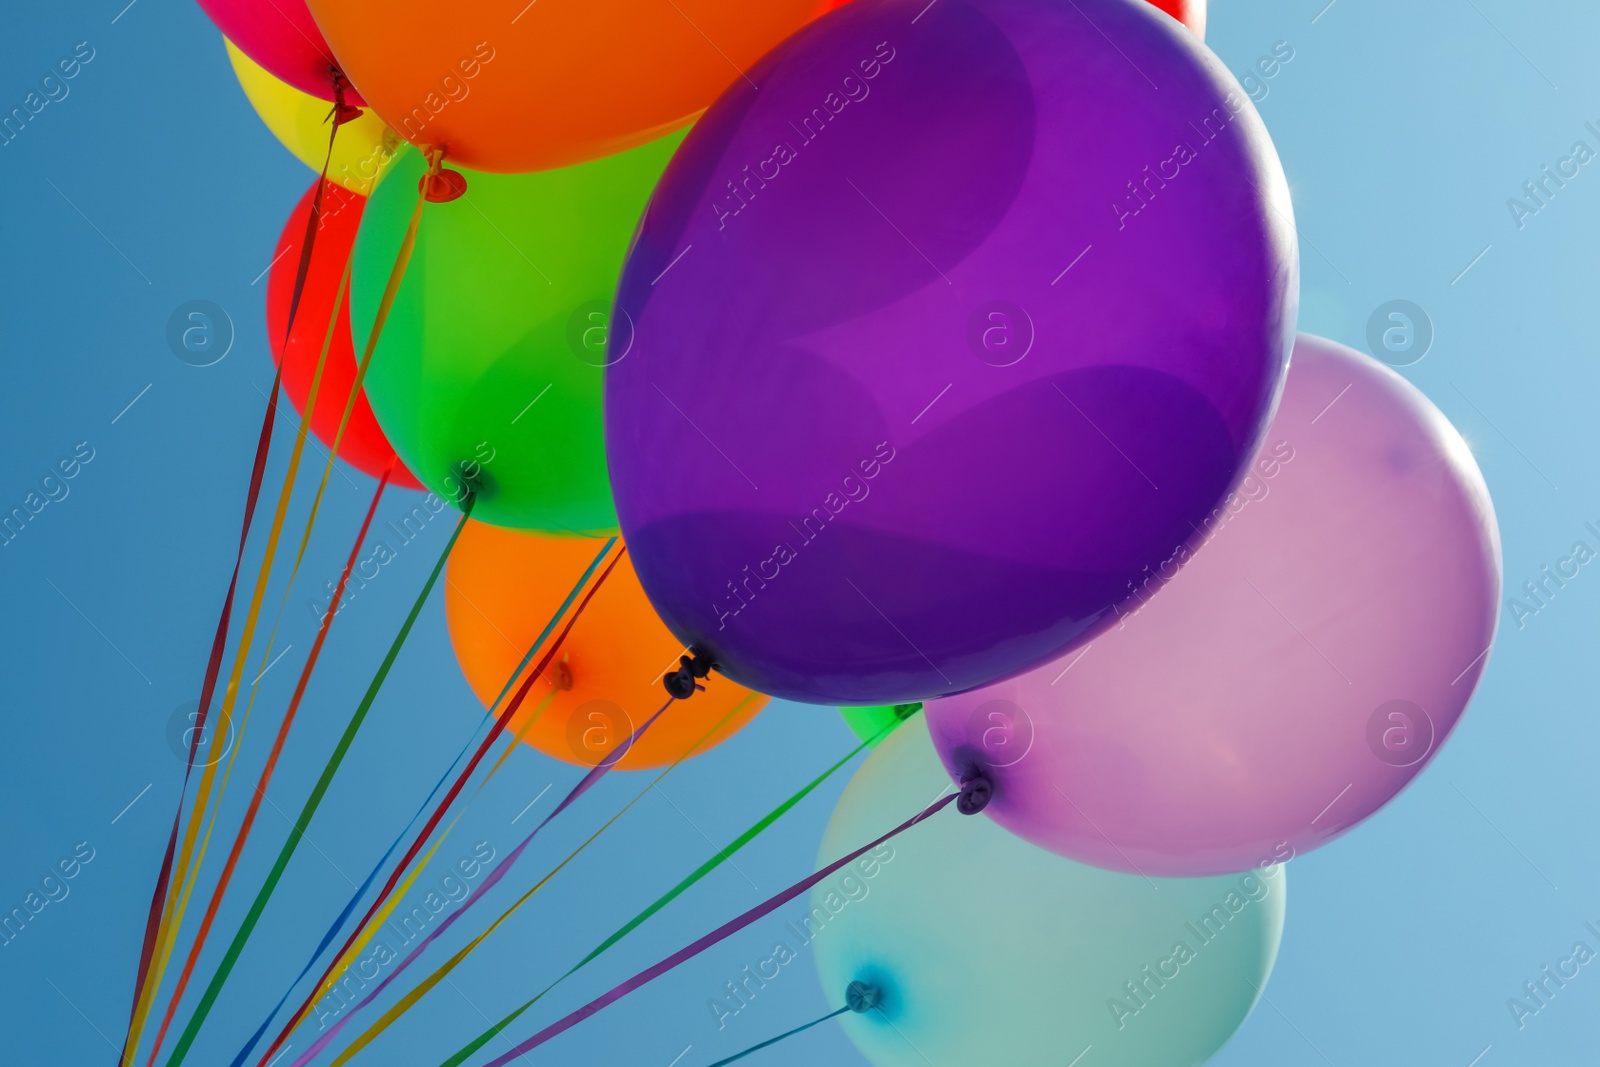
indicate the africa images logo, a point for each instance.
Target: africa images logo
{"x":743,"y":189}
{"x":851,"y":488}
{"x":208,"y":740}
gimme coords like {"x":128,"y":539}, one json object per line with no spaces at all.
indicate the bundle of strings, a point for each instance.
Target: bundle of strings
{"x":172,"y":910}
{"x":977,"y":788}
{"x":405,"y":1004}
{"x":158,"y":924}
{"x":366,"y":884}
{"x":494,"y":733}
{"x":694,"y":876}
{"x":427,"y":984}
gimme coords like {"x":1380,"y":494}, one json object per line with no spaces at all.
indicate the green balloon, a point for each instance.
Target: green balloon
{"x":488,"y":373}
{"x":869,"y":723}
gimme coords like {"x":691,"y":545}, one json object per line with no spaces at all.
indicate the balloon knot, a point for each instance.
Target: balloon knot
{"x":562,"y":676}
{"x":342,"y":112}
{"x":469,"y":486}
{"x":862,"y":996}
{"x":443,"y":187}
{"x":681,"y":684}
{"x":976,"y":792}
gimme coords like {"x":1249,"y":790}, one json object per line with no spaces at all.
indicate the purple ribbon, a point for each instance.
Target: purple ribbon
{"x":611,"y":759}
{"x":727,"y":929}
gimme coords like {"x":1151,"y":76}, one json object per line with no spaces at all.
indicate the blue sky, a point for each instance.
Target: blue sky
{"x":1404,"y":129}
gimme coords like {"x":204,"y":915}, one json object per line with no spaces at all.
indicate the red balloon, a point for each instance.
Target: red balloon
{"x":364,"y":446}
{"x":282,"y":38}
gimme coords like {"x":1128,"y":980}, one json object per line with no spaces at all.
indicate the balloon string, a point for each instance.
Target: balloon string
{"x":158,"y":896}
{"x":391,"y":289}
{"x":308,"y":242}
{"x":521,"y":736}
{"x":382,"y":915}
{"x":781,"y":1037}
{"x":433,"y":820}
{"x":722,"y":932}
{"x":175,"y":921}
{"x":339,"y":920}
{"x":305,"y":540}
{"x":555,"y":620}
{"x":188,"y":863}
{"x":398,"y":895}
{"x":225,"y":967}
{"x":372,"y":875}
{"x":494,"y":877}
{"x":666,"y":898}
{"x":441,"y":972}
{"x":339,"y":115}
{"x":267,"y":771}
{"x":161,"y":904}
{"x":353,"y":945}
{"x":390,"y":896}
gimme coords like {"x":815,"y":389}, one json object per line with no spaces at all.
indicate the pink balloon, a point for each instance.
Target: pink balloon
{"x":1291,"y":678}
{"x":281,"y":37}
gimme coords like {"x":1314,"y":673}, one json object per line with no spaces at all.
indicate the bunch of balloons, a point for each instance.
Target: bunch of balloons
{"x":490,"y":366}
{"x":932,"y":360}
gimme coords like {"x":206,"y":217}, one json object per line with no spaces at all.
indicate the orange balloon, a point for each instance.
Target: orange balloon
{"x":555,"y":83}
{"x":501,"y":587}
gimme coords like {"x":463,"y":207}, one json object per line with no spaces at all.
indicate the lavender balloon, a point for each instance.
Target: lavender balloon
{"x":932,"y":344}
{"x":1291,"y":678}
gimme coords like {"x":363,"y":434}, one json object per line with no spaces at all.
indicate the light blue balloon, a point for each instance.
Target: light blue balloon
{"x":989,"y":950}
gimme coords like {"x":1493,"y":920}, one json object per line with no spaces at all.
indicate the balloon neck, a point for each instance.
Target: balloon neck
{"x":682,"y":683}
{"x":445,"y":186}
{"x":862,"y":996}
{"x":342,"y":112}
{"x":976,"y":792}
{"x":563,"y":675}
{"x":467,"y":479}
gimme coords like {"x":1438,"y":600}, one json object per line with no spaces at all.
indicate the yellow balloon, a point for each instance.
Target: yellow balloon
{"x":362,"y":151}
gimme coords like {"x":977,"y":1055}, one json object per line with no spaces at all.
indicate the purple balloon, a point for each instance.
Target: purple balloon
{"x":1291,"y":678}
{"x":941,"y":337}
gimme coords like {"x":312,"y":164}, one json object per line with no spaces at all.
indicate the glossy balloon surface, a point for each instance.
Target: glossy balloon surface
{"x":920,"y":381}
